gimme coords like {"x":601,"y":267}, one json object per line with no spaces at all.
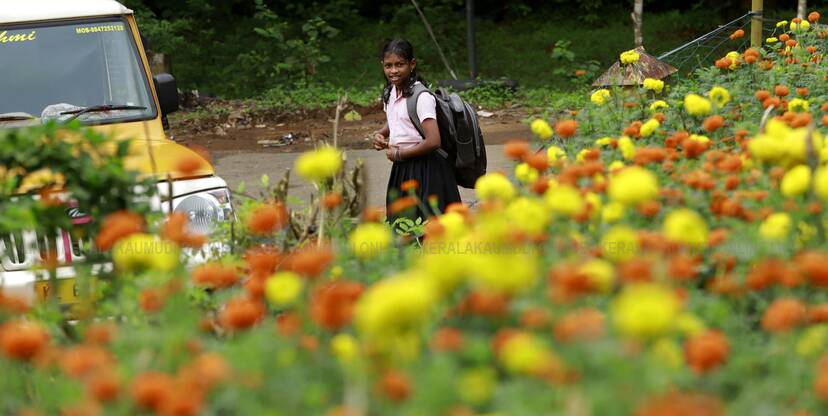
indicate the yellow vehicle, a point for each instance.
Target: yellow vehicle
{"x":84,"y":60}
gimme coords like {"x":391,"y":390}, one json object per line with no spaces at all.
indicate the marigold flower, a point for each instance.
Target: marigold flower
{"x":648,"y":128}
{"x":632,"y":186}
{"x":658,"y":105}
{"x":345,"y":348}
{"x":529,"y":215}
{"x":150,"y":390}
{"x":600,"y":96}
{"x":781,"y":90}
{"x":585,"y":324}
{"x":215,"y":275}
{"x":524,"y":353}
{"x":564,"y":199}
{"x":784,"y":314}
{"x":706,"y":351}
{"x":189,"y":164}
{"x":654,"y":85}
{"x":395,"y":385}
{"x":310,"y":261}
{"x":812,"y":341}
{"x":395,"y":305}
{"x":23,"y":340}
{"x":566,"y":128}
{"x":738,"y":34}
{"x":143,"y":251}
{"x":541,"y":129}
{"x":619,"y":244}
{"x":525,"y":173}
{"x":644,"y":310}
{"x":719,"y":95}
{"x":813,"y":17}
{"x":629,"y":57}
{"x":771,"y":40}
{"x":267,"y":219}
{"x":447,"y":339}
{"x":175,"y":230}
{"x":241,"y":313}
{"x":555,"y":153}
{"x":516,"y":149}
{"x":283,"y":288}
{"x":477,"y":385}
{"x":775,"y":227}
{"x":697,"y":105}
{"x":681,"y":404}
{"x":104,"y":386}
{"x":798,"y":105}
{"x":713,"y":123}
{"x":116,"y":226}
{"x":796,"y":181}
{"x":320,"y":164}
{"x":331,"y":200}
{"x":687,"y":227}
{"x":332,"y":304}
{"x":369,"y":240}
{"x":494,"y":186}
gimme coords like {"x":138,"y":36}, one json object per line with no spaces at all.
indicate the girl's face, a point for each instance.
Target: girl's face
{"x":397,"y":69}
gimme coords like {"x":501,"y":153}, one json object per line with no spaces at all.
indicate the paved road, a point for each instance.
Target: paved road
{"x":236,"y":167}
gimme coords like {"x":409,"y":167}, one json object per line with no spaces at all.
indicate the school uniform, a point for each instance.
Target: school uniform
{"x":433,"y":172}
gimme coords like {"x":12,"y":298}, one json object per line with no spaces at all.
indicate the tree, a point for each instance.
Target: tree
{"x":638,"y":9}
{"x":801,"y":9}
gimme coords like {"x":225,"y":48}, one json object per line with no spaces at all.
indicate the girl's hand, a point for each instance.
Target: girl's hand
{"x":390,"y":153}
{"x":380,"y":142}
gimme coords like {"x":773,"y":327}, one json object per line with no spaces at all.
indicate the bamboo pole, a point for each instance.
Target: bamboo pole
{"x":756,"y":24}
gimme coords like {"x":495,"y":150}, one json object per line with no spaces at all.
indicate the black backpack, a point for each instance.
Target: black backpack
{"x":461,"y":142}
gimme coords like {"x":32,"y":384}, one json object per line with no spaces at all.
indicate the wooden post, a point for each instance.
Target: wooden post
{"x":756,"y":24}
{"x":638,"y":9}
{"x":801,"y":9}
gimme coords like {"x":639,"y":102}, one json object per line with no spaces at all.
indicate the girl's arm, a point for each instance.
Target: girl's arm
{"x":380,"y":139}
{"x":430,"y":144}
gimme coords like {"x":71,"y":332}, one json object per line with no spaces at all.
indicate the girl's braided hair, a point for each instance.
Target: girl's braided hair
{"x":405,"y":50}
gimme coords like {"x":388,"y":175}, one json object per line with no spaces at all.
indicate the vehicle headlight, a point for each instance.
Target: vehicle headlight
{"x":204,"y":209}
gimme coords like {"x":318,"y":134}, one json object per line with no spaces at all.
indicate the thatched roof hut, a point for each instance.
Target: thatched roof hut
{"x":633,"y":74}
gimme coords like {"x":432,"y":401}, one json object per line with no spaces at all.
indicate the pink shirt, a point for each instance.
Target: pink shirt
{"x":403,"y":132}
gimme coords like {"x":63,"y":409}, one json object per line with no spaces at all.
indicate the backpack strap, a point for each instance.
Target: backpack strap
{"x":411,"y":105}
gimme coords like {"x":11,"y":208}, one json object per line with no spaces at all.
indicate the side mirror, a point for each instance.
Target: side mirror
{"x":167,"y":93}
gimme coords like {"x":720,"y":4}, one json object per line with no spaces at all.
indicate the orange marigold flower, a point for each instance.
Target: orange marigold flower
{"x":83,"y":360}
{"x":516,"y":149}
{"x":310,"y":261}
{"x":585,"y":324}
{"x":681,"y":404}
{"x":189,"y":164}
{"x":713,"y":123}
{"x":402,"y":204}
{"x":288,"y":324}
{"x":566,"y":128}
{"x":802,"y":91}
{"x":268,"y":218}
{"x":818,"y":313}
{"x":332,"y":303}
{"x":762,"y":95}
{"x":409,"y":185}
{"x":13,"y":303}
{"x":825,"y":120}
{"x":241,"y":313}
{"x":331,"y":200}
{"x":395,"y":385}
{"x":373,"y":214}
{"x":175,"y":230}
{"x":813,"y":17}
{"x":23,"y":340}
{"x":104,"y":386}
{"x":447,"y":339}
{"x":534,"y":317}
{"x":781,"y":91}
{"x":215,"y":275}
{"x":151,"y":299}
{"x":100,"y":333}
{"x":151,"y":390}
{"x":784,"y":314}
{"x":738,"y":34}
{"x":538,"y":161}
{"x":706,"y":351}
{"x":263,"y":260}
{"x":485,"y":303}
{"x":814,"y":266}
{"x":116,"y":226}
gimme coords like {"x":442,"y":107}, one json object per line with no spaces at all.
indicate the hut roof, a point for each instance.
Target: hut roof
{"x":646,"y":67}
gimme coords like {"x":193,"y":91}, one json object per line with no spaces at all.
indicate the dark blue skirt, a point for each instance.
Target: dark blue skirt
{"x":435,"y":179}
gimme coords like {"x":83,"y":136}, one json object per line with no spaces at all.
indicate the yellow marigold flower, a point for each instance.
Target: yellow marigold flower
{"x":688,"y":324}
{"x":525,"y":173}
{"x":604,"y":141}
{"x":719,"y":95}
{"x":615,"y":165}
{"x":526,"y":354}
{"x":345,"y":348}
{"x":594,"y":200}
{"x":648,"y":128}
{"x":555,"y":153}
{"x":283,"y":288}
{"x":477,"y":386}
{"x":541,"y":128}
{"x":699,"y":138}
{"x":612,"y":212}
{"x":796,"y":181}
{"x":658,"y":105}
{"x":798,"y":105}
{"x":601,"y":274}
{"x":528,"y":215}
{"x":696,"y":105}
{"x":771,"y":39}
{"x":667,"y":352}
{"x":627,"y":148}
{"x":645,"y":310}
{"x":655,"y":85}
{"x":782,"y":23}
{"x":369,"y":240}
{"x":503,"y":271}
{"x":812,"y":341}
{"x":454,"y":225}
{"x":600,"y":97}
{"x":143,"y":251}
{"x":734,"y":59}
{"x":320,"y":164}
{"x":782,"y":145}
{"x":633,"y":185}
{"x":443,"y":263}
{"x":775,"y":227}
{"x":821,"y":183}
{"x":564,"y":199}
{"x":494,"y":186}
{"x":396,"y":305}
{"x":687,"y":227}
{"x":801,"y":26}
{"x":629,"y":57}
{"x":620,"y":243}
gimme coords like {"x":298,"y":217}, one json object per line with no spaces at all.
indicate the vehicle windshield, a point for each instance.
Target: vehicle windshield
{"x":53,"y":72}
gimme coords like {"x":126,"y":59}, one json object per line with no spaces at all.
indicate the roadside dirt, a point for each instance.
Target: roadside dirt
{"x":239,"y":126}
